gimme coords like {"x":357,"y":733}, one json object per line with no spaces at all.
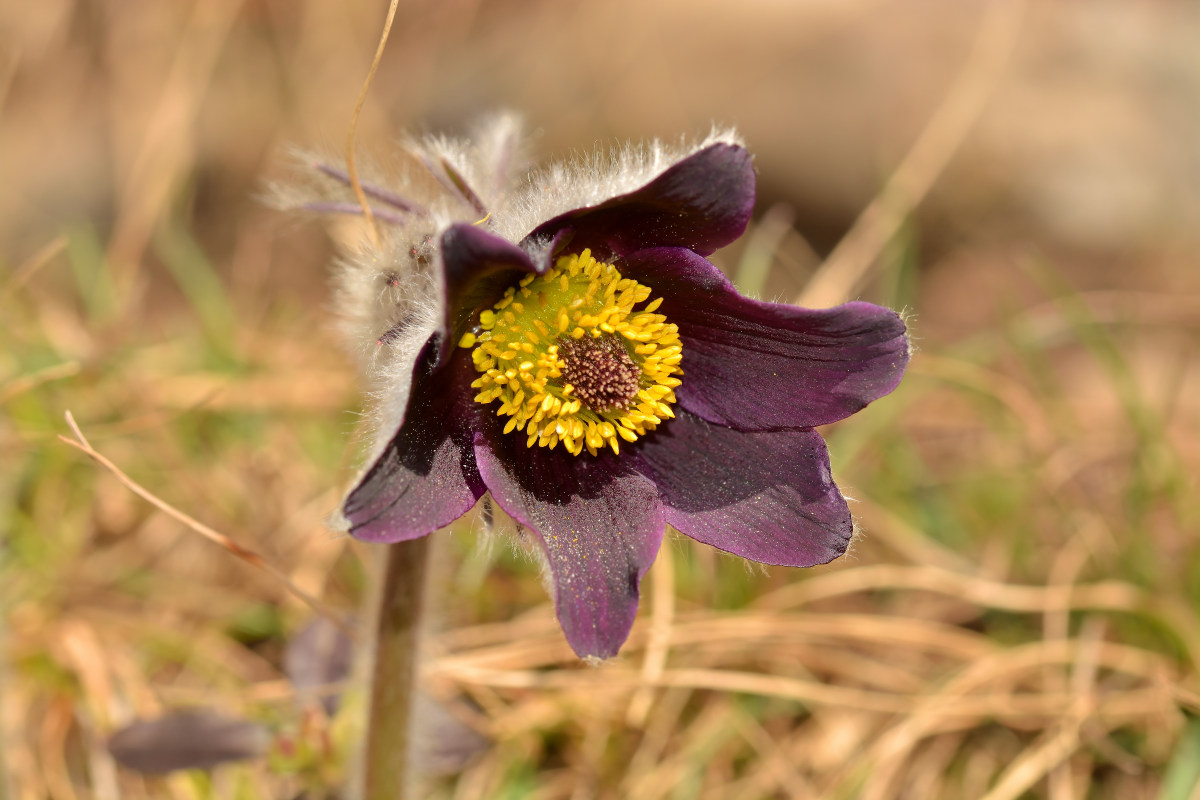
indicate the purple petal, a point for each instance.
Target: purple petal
{"x":753,"y":365}
{"x":426,"y":477}
{"x":600,"y":525}
{"x":476,"y":269}
{"x":763,"y":495}
{"x":187,"y":739}
{"x":702,"y":203}
{"x":316,"y":660}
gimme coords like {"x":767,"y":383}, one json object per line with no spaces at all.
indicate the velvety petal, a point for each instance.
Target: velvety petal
{"x":426,"y":476}
{"x":763,"y":495}
{"x":600,"y":526}
{"x":477,"y":267}
{"x":702,"y":202}
{"x":753,"y":365}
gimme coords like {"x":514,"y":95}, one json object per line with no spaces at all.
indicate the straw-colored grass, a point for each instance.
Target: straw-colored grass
{"x":1017,"y":619}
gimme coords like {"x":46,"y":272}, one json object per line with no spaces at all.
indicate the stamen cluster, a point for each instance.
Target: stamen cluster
{"x":572,"y":361}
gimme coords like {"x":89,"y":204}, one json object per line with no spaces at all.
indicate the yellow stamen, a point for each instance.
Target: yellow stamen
{"x":622,"y":361}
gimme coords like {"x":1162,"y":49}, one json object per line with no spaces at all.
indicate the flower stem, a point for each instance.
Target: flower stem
{"x":386,"y":754}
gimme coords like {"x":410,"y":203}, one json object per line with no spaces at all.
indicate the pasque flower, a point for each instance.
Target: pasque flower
{"x":573,"y":353}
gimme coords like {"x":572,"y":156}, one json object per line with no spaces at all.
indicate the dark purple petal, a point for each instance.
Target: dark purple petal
{"x":753,"y":365}
{"x":702,"y":203}
{"x":426,"y":477}
{"x":446,"y":744}
{"x":600,"y":525}
{"x":763,"y":495}
{"x":477,"y":267}
{"x":186,"y":739}
{"x":317,"y":659}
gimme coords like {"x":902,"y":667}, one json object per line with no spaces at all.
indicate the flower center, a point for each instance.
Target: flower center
{"x":604,"y":376}
{"x":572,"y":361}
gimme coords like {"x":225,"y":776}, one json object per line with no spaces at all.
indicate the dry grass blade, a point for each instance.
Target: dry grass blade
{"x":252,"y":558}
{"x":163,"y":155}
{"x":955,"y":703}
{"x":1017,"y":397}
{"x":21,"y":275}
{"x":18,"y":386}
{"x":1035,"y":762}
{"x":663,"y":615}
{"x":351,"y":164}
{"x":1019,"y":619}
{"x":1107,"y":595}
{"x":847,"y":266}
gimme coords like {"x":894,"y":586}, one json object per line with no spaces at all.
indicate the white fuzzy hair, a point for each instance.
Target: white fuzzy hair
{"x":591,"y":179}
{"x":388,"y":292}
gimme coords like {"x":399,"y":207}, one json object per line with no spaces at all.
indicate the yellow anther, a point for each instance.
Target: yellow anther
{"x":589,"y":305}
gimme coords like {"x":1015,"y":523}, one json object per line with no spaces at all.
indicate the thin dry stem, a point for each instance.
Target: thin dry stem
{"x":25,"y":383}
{"x":252,"y":558}
{"x":22,"y":274}
{"x":351,"y":164}
{"x":847,"y":266}
{"x":662,"y":613}
{"x":163,"y":152}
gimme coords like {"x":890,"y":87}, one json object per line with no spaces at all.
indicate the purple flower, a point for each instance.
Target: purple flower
{"x":601,"y":379}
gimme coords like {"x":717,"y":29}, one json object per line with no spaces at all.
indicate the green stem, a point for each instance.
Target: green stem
{"x":387,"y":757}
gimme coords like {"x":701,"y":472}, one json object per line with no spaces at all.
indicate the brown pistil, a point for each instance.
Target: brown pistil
{"x":605,"y":377}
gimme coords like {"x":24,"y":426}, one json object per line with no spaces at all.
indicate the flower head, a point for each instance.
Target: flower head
{"x":573,"y":352}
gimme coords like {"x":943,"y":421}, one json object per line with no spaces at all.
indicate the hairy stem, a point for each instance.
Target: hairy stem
{"x":387,"y":765}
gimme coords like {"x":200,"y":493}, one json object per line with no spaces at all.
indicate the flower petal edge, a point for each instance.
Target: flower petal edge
{"x":599,"y":524}
{"x":754,"y":365}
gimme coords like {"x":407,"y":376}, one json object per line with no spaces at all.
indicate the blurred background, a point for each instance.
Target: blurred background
{"x":1019,"y":616}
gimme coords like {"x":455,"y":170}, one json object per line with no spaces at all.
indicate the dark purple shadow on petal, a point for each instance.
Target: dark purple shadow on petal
{"x":600,"y":525}
{"x":426,"y":476}
{"x":753,"y":365}
{"x":702,"y":203}
{"x":477,"y":267}
{"x":765,"y":495}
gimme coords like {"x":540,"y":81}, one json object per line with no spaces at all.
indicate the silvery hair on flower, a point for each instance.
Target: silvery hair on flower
{"x":388,"y":292}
